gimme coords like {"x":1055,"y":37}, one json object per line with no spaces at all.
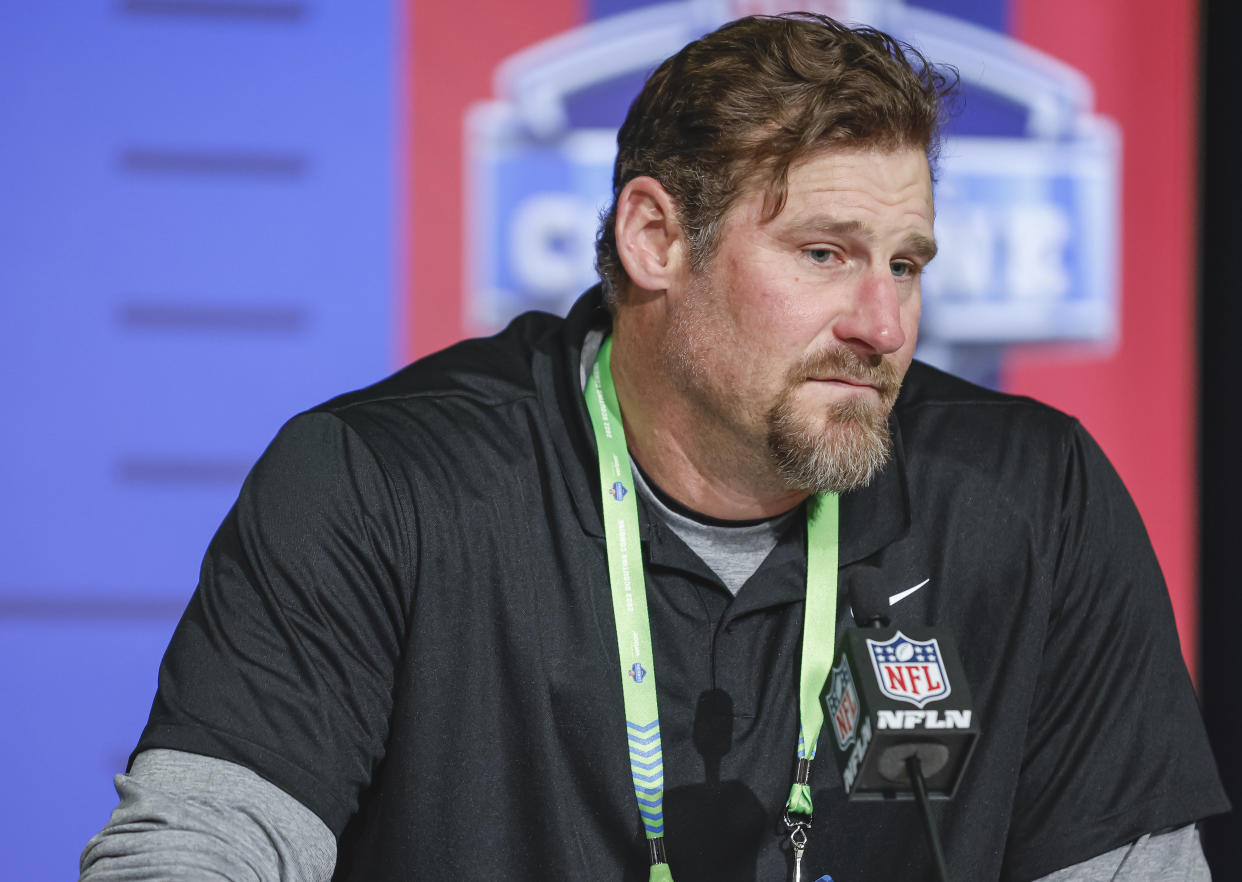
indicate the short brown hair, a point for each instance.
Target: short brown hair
{"x":754,"y":97}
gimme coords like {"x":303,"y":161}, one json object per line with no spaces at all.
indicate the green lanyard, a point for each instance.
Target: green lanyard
{"x":629,"y":607}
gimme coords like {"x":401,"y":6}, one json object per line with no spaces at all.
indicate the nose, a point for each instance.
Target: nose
{"x":872,"y":323}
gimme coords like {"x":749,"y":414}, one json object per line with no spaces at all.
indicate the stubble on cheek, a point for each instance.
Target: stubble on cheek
{"x":695,"y":353}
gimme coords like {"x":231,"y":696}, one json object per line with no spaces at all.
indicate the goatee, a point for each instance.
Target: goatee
{"x":845,"y":447}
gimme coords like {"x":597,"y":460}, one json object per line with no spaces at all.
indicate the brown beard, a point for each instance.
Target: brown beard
{"x":851,"y":447}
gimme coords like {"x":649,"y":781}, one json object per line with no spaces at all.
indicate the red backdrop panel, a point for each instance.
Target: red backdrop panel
{"x":452,"y":54}
{"x":1139,"y":401}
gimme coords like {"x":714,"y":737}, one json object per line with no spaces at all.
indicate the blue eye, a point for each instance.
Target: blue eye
{"x":819,"y":255}
{"x":901,"y":270}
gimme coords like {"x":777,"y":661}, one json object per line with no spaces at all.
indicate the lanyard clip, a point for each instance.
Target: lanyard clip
{"x":798,"y":825}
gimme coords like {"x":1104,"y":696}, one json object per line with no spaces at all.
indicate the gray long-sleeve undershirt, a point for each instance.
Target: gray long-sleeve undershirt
{"x":186,"y":817}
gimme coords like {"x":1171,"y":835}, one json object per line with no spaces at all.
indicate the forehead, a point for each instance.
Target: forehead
{"x":888,"y":188}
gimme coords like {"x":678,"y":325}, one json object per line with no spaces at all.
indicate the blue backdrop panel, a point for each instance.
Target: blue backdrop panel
{"x":78,"y":694}
{"x":199,"y":242}
{"x":198,"y":239}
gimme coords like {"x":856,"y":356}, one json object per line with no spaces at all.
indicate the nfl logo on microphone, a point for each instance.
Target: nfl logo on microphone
{"x":909,"y":670}
{"x":842,"y":703}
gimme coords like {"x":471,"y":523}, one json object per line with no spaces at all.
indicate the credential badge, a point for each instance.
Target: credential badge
{"x":909,"y":670}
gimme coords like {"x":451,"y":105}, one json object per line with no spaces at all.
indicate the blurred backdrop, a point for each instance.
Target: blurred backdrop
{"x":216,"y":213}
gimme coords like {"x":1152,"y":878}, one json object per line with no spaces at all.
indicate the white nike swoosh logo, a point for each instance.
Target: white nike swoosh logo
{"x":902,"y":595}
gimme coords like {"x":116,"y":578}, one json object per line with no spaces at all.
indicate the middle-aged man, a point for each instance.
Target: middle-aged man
{"x":406,"y":655}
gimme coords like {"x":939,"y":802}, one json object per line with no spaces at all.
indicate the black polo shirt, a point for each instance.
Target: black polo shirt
{"x":405,"y":623}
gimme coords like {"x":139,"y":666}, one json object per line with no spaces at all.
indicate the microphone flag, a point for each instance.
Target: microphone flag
{"x":895,"y":693}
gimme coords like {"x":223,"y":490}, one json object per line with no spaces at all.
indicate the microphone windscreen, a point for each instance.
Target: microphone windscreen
{"x":869,"y":605}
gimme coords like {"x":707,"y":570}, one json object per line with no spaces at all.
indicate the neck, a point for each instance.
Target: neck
{"x":707,"y":471}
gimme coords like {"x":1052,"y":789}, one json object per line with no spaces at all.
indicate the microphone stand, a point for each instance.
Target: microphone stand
{"x":915,"y":770}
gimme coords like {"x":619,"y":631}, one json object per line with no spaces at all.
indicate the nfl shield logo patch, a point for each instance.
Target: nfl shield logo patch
{"x":909,"y":670}
{"x":842,"y":704}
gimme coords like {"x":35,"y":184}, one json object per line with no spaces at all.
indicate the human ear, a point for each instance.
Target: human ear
{"x":649,"y":237}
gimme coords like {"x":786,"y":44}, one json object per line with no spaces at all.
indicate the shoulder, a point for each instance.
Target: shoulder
{"x":446,"y":437}
{"x":927,"y":389}
{"x":1000,"y":465}
{"x":942,"y":416}
{"x":487,"y":371}
{"x":448,"y":424}
{"x":470,"y":391}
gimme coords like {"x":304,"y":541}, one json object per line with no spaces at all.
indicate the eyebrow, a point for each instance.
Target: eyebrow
{"x":921,"y":246}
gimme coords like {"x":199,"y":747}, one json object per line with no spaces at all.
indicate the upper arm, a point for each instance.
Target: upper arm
{"x":284,"y":660}
{"x":1115,"y":746}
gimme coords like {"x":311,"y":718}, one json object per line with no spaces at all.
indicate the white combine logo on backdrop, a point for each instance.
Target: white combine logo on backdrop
{"x":1027,"y":197}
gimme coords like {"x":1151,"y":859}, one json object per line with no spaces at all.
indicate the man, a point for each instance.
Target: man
{"x":406,"y":654}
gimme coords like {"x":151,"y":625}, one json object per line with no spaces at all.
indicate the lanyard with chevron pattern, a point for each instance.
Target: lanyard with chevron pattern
{"x":629,"y":607}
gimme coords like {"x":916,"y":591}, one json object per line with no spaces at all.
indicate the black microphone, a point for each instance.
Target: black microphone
{"x":897,"y":693}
